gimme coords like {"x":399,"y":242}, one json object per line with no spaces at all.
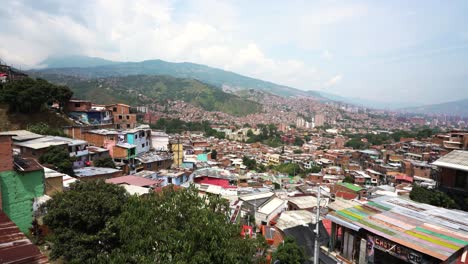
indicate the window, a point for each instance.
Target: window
{"x":114,"y":109}
{"x":77,"y":104}
{"x":120,"y":117}
{"x":143,"y":145}
{"x":169,"y":180}
{"x":34,"y":153}
{"x":461,"y":179}
{"x":128,"y":117}
{"x":148,"y":166}
{"x":128,"y":125}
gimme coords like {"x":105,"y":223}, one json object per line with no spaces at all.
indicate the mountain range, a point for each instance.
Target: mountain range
{"x":92,"y":68}
{"x":454,"y":108}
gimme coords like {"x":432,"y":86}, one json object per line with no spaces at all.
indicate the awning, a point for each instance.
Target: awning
{"x":341,"y":222}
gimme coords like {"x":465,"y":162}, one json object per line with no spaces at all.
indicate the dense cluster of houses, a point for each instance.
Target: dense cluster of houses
{"x":363,"y":215}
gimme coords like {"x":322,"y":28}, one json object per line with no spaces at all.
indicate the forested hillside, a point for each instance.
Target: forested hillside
{"x":143,"y":89}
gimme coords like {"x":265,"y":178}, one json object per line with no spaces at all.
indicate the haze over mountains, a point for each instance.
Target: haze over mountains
{"x":98,"y":68}
{"x":91,"y":67}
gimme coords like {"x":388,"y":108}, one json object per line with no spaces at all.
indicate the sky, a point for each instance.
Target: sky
{"x":386,"y":51}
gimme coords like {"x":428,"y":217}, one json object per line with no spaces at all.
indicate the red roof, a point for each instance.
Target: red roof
{"x":135,"y":180}
{"x":3,"y":74}
{"x":403,"y":177}
{"x":346,"y":195}
{"x":15,"y":247}
{"x":215,"y":181}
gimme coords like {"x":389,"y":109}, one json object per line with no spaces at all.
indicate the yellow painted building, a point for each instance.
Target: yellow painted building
{"x":178,"y":152}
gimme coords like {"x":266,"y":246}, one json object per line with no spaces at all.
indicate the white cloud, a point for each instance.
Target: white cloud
{"x":334,"y":80}
{"x":207,"y":33}
{"x":327,"y":55}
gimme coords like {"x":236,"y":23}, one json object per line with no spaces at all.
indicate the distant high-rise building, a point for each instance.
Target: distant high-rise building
{"x":300,"y":122}
{"x":319,"y":120}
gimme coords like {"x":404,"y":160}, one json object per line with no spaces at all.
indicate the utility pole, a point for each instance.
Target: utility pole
{"x":317,"y":219}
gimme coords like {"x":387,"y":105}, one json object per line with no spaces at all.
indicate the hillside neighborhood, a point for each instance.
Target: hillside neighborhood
{"x":337,"y":180}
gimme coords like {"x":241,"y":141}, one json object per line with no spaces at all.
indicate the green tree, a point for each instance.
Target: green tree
{"x":289,"y":168}
{"x":179,"y":227}
{"x":433,"y":197}
{"x":251,"y":164}
{"x":289,"y":252}
{"x":298,"y":141}
{"x":59,"y":157}
{"x":261,"y":168}
{"x":80,"y":220}
{"x":355,"y":143}
{"x":214,"y":154}
{"x":44,"y":129}
{"x":348,"y":179}
{"x":33,"y":95}
{"x":105,"y":162}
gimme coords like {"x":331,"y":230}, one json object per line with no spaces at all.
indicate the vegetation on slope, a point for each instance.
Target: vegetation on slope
{"x":178,"y":126}
{"x":95,"y":222}
{"x":24,"y":103}
{"x":33,"y":95}
{"x":145,"y":89}
{"x":98,"y":68}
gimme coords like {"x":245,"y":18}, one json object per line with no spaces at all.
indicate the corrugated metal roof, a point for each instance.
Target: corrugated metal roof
{"x":294,"y":218}
{"x":271,"y":206}
{"x":93,"y":171}
{"x":27,"y":164}
{"x":15,"y":247}
{"x":456,"y":159}
{"x":134,"y":180}
{"x":434,"y":231}
{"x":21,"y":135}
{"x":351,"y":186}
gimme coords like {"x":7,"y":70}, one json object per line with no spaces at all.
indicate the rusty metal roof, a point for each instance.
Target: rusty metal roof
{"x":27,"y":164}
{"x":15,"y":247}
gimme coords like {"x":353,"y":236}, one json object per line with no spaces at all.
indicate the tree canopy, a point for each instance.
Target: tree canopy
{"x":32,"y":95}
{"x":96,"y":222}
{"x":105,"y":162}
{"x":44,"y":129}
{"x":79,"y":220}
{"x":179,"y":227}
{"x":289,"y":252}
{"x":251,"y":164}
{"x":433,"y":197}
{"x":269,"y":135}
{"x":179,"y":126}
{"x":60,"y":158}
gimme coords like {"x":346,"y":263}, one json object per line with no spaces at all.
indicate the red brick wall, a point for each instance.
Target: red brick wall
{"x":127,"y":121}
{"x":426,"y":172}
{"x":120,"y":109}
{"x":6,"y":153}
{"x":78,"y":106}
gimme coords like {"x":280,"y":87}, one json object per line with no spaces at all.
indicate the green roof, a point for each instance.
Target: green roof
{"x":351,"y":186}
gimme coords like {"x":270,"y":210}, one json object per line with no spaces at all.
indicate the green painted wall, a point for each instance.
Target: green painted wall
{"x":18,"y":193}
